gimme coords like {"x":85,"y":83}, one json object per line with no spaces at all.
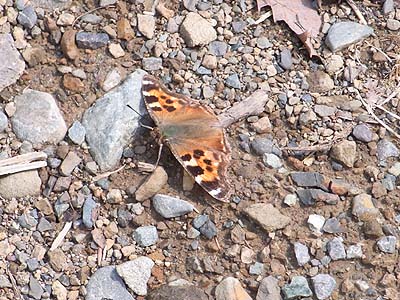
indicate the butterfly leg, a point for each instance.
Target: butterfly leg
{"x":159,"y":155}
{"x":146,"y":126}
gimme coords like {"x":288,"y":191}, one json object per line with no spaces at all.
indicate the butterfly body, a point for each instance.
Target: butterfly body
{"x":194,"y":135}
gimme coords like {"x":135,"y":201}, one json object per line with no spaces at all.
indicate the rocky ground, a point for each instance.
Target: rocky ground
{"x":314,"y":212}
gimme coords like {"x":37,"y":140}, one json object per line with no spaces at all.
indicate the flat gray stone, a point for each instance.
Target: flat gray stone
{"x":197,"y":31}
{"x":136,"y":273}
{"x":105,"y":283}
{"x":37,"y":118}
{"x":51,"y":4}
{"x":20,"y":184}
{"x":336,"y":249}
{"x":387,"y":244}
{"x":14,"y":65}
{"x":267,"y":216}
{"x":170,"y":207}
{"x":77,"y":133}
{"x":146,"y":235}
{"x":298,"y":287}
{"x":269,"y":289}
{"x":110,"y":124}
{"x":35,"y":289}
{"x":343,"y":34}
{"x":324,"y":285}
{"x":301,"y":253}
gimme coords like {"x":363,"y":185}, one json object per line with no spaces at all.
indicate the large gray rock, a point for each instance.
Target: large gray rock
{"x":12,"y":64}
{"x":37,"y":118}
{"x":106,"y":284}
{"x":343,"y":34}
{"x":20,"y":185}
{"x":109,"y":123}
{"x":170,"y":207}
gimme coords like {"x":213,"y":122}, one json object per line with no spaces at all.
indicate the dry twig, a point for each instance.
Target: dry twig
{"x":89,"y":12}
{"x":23,"y":162}
{"x":357,"y":11}
{"x":106,"y":174}
{"x":60,"y":237}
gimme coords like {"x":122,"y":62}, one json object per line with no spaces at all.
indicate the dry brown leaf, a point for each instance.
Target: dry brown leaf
{"x":299,"y":15}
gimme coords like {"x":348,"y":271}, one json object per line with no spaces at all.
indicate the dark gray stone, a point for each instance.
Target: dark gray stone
{"x":363,"y":133}
{"x":233,"y":81}
{"x":286,"y":60}
{"x":308,"y":179}
{"x":386,"y":149}
{"x":27,"y":17}
{"x":87,"y":212}
{"x":332,"y":225}
{"x":209,"y":230}
{"x":89,"y":40}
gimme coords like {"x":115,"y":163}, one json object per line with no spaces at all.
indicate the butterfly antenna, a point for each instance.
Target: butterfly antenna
{"x":139,"y":114}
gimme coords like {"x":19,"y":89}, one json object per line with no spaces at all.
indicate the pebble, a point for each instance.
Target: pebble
{"x":354,"y":251}
{"x":256,"y":269}
{"x":146,"y":25}
{"x":301,"y":253}
{"x":363,"y":133}
{"x":272,"y":161}
{"x":324,"y":110}
{"x":298,"y":287}
{"x":291,"y":200}
{"x":197,"y":31}
{"x":334,"y":64}
{"x":113,"y":79}
{"x":152,"y":63}
{"x":152,"y":185}
{"x":230,"y":288}
{"x":3,"y":121}
{"x":37,"y":118}
{"x":363,"y":207}
{"x":286,"y":60}
{"x":35,"y":289}
{"x":323,"y":285}
{"x":387,"y":244}
{"x":336,"y":249}
{"x":20,"y":184}
{"x":92,"y":19}
{"x":343,"y":34}
{"x":332,"y":225}
{"x":218,"y":48}
{"x":190,"y":5}
{"x":269,"y":289}
{"x":170,"y":207}
{"x":395,"y":169}
{"x":65,"y":19}
{"x":233,"y":81}
{"x":124,"y":30}
{"x":44,"y":225}
{"x":89,"y":207}
{"x":77,"y":133}
{"x":393,"y":24}
{"x":34,"y":56}
{"x":58,"y":290}
{"x":177,"y":291}
{"x":136,"y":273}
{"x":68,"y":44}
{"x":345,"y":152}
{"x":116,"y":50}
{"x":388,"y":7}
{"x":264,"y":145}
{"x":386,"y":149}
{"x":320,"y":82}
{"x":105,"y":283}
{"x":262,"y":125}
{"x":10,"y":72}
{"x":267,"y":216}
{"x":263,"y":43}
{"x":89,"y":40}
{"x":146,"y":235}
{"x":27,"y":17}
{"x":71,"y":161}
{"x":117,"y":123}
{"x":5,"y":282}
{"x":208,"y":229}
{"x":238,"y":26}
{"x":57,"y":260}
{"x":309,"y":179}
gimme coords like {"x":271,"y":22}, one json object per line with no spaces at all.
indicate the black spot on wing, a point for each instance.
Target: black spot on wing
{"x":169,"y":101}
{"x":151,"y":99}
{"x":209,"y":169}
{"x":211,"y":185}
{"x":195,"y":170}
{"x":156,"y":108}
{"x":164,"y":97}
{"x":186,"y":157}
{"x":207,"y":161}
{"x":198,"y":153}
{"x":169,"y":108}
{"x":150,"y":86}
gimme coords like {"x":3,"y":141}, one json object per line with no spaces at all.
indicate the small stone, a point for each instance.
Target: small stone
{"x":146,"y":25}
{"x":44,"y":225}
{"x":68,"y":45}
{"x":334,"y":64}
{"x":272,"y":161}
{"x":73,"y":84}
{"x":113,"y":79}
{"x":35,"y":289}
{"x":199,"y":221}
{"x":395,"y":169}
{"x":286,"y":60}
{"x":343,"y":34}
{"x":89,"y":207}
{"x":165,"y":12}
{"x":59,"y":290}
{"x":5,"y":283}
{"x":320,"y":82}
{"x":238,"y":26}
{"x":256,"y":269}
{"x":267,"y":216}
{"x":136,"y":273}
{"x":393,"y":24}
{"x":190,"y":5}
{"x":27,"y":17}
{"x":269,"y":289}
{"x":308,"y":179}
{"x":152,"y":185}
{"x":363,"y":207}
{"x":146,"y":235}
{"x":170,"y":207}
{"x":363,"y":133}
{"x":263,"y":43}
{"x":230,"y":288}
{"x":210,"y":61}
{"x":152,"y":63}
{"x":336,"y":249}
{"x":271,"y":71}
{"x":77,"y":133}
{"x":208,"y":229}
{"x":197,"y":31}
{"x":124,"y":30}
{"x":70,"y":163}
{"x":116,"y":50}
{"x":89,"y":40}
{"x":20,"y":185}
{"x":332,"y":225}
{"x":298,"y":287}
{"x":324,"y":110}
{"x":65,"y":19}
{"x":233,"y":81}
{"x":218,"y":48}
{"x":262,"y":125}
{"x":57,"y":260}
{"x":388,"y":7}
{"x":291,"y":200}
{"x":324,"y":285}
{"x":193,"y":233}
{"x":105,"y":3}
{"x":386,"y":149}
{"x":345,"y":153}
{"x":387,"y":244}
{"x":3,"y":121}
{"x":354,"y":251}
{"x":114,"y":196}
{"x":301,"y":252}
{"x":34,"y":56}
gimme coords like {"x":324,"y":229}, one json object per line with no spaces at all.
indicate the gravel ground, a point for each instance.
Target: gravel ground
{"x":315,"y":176}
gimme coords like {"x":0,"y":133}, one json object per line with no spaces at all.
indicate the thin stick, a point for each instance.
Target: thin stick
{"x":217,"y":242}
{"x":357,"y":11}
{"x":389,"y":112}
{"x":23,"y":158}
{"x":262,"y":18}
{"x":60,"y":237}
{"x":159,"y":155}
{"x":22,"y":167}
{"x":89,"y":12}
{"x":106,"y":174}
{"x":391,"y":96}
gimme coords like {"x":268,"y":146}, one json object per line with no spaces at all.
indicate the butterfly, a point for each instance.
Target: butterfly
{"x":194,"y":135}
